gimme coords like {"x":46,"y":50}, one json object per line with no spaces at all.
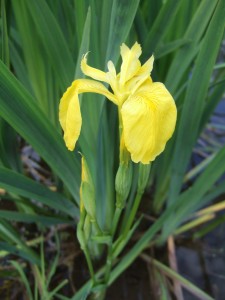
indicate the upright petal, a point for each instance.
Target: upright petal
{"x":69,"y":108}
{"x":130,"y":62}
{"x":112,"y":77}
{"x":92,"y":72}
{"x":149,"y":118}
{"x":141,"y":76}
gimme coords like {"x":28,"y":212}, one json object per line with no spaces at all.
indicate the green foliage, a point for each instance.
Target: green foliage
{"x":42,"y":43}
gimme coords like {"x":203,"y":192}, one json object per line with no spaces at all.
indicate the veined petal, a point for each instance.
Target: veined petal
{"x":70,"y":116}
{"x":141,"y":76}
{"x":131,"y":64}
{"x":149,"y":118}
{"x":69,"y":108}
{"x":112,"y":77}
{"x":92,"y":72}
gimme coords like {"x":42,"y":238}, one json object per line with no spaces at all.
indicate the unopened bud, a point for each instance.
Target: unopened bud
{"x":87,"y":191}
{"x":143,"y":176}
{"x":80,"y":236}
{"x":87,"y":228}
{"x":123,"y":183}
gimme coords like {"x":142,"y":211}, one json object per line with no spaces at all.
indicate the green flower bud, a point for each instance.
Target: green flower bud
{"x":80,"y":236}
{"x":87,"y":228}
{"x":87,"y":191}
{"x":123,"y":183}
{"x":143,"y":176}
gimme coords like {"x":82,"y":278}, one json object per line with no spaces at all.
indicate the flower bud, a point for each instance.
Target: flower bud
{"x":123,"y":183}
{"x":143,"y":176}
{"x":87,"y":191}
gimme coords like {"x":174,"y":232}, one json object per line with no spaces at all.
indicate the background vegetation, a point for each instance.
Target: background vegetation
{"x":42,"y":43}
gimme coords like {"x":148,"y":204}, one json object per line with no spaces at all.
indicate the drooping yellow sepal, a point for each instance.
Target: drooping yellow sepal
{"x":149,"y":118}
{"x":69,"y":108}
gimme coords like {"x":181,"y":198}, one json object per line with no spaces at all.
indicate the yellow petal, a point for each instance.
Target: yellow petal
{"x":112,"y":77}
{"x":141,"y":76}
{"x":92,"y":72}
{"x":149,"y":118}
{"x":146,"y":68}
{"x":69,"y":109}
{"x":70,"y":116}
{"x":131,"y":64}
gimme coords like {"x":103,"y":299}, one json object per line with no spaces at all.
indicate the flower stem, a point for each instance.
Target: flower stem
{"x":90,"y":266}
{"x":115,"y":220}
{"x":109,"y":259}
{"x":133,"y":212}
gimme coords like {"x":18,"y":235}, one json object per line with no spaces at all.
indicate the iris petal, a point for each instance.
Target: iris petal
{"x":70,"y":116}
{"x":69,"y":109}
{"x":131,"y":64}
{"x":149,"y":118}
{"x":143,"y":74}
{"x":92,"y":72}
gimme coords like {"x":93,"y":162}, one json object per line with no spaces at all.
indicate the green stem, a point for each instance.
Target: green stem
{"x":133,"y":212}
{"x":90,"y":266}
{"x":109,"y":259}
{"x":97,"y":227}
{"x":115,"y":220}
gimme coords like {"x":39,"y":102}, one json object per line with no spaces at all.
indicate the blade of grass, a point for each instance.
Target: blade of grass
{"x":54,"y":263}
{"x":20,"y":252}
{"x":27,"y":38}
{"x":4,"y":35}
{"x":25,"y":281}
{"x":212,"y":102}
{"x":11,"y":236}
{"x":185,"y":55}
{"x":31,"y":218}
{"x":167,"y":48}
{"x":52,"y":40}
{"x":84,"y":46}
{"x":19,"y":109}
{"x":20,"y":185}
{"x":161,"y":25}
{"x":180,"y":65}
{"x":8,"y":138}
{"x":209,"y":227}
{"x":122,"y":17}
{"x":193,"y":198}
{"x":80,"y":19}
{"x":173,"y":275}
{"x":195,"y":97}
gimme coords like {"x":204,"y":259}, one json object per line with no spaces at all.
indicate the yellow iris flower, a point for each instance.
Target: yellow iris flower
{"x":147,"y":110}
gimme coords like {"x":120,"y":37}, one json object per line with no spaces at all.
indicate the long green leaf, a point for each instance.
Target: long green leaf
{"x":170,"y":47}
{"x":122,"y":16}
{"x":85,"y":42}
{"x":22,"y":274}
{"x":192,"y":199}
{"x":180,"y":68}
{"x":19,"y":109}
{"x":12,"y":237}
{"x":23,"y":186}
{"x":20,"y":252}
{"x":195,"y":98}
{"x":4,"y":35}
{"x":185,"y":55}
{"x":52,"y":39}
{"x":161,"y":25}
{"x":28,"y":218}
